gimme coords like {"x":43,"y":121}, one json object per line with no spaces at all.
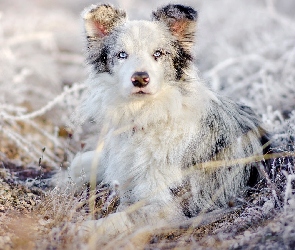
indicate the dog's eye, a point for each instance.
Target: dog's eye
{"x":122,"y":55}
{"x":157,"y":54}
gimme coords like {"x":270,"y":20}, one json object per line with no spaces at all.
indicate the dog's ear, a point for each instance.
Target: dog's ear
{"x":181,"y":21}
{"x":100,"y":20}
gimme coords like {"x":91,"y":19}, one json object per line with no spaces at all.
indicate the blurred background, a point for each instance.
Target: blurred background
{"x":245,"y":50}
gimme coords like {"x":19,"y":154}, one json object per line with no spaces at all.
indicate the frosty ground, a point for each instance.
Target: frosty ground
{"x":245,"y":50}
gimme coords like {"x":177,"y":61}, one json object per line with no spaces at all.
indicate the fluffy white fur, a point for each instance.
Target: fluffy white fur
{"x":158,"y":145}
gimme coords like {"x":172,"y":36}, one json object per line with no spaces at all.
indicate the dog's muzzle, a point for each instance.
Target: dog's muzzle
{"x":140,"y":79}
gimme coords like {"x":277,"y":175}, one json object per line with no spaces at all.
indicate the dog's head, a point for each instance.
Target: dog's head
{"x":141,"y":56}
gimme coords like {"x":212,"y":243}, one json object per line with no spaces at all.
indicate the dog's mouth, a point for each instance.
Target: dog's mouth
{"x":141,"y":91}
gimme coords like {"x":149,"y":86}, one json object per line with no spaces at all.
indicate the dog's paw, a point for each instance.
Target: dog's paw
{"x":114,"y":224}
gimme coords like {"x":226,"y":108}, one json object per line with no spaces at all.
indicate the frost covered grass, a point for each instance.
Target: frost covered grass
{"x":245,"y":50}
{"x":35,"y":74}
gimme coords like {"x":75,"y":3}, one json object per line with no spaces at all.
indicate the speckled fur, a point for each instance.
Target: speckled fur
{"x":158,"y":145}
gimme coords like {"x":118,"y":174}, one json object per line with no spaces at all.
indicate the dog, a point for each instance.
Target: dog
{"x":174,"y":146}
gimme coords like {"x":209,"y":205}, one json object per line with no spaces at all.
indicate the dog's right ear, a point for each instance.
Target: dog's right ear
{"x":100,"y":20}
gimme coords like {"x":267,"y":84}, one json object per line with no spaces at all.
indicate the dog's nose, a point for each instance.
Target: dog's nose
{"x":140,"y":79}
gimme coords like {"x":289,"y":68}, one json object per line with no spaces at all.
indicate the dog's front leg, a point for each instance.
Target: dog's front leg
{"x":84,"y":166}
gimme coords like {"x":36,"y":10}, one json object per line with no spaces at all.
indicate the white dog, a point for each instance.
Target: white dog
{"x":170,"y":142}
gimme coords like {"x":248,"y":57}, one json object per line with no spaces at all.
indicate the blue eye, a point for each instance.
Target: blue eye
{"x":122,"y":55}
{"x":157,"y":54}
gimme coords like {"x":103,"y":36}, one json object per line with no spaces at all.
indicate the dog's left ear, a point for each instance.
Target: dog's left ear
{"x":181,"y":21}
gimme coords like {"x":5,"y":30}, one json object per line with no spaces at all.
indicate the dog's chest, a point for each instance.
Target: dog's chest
{"x":147,"y":159}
